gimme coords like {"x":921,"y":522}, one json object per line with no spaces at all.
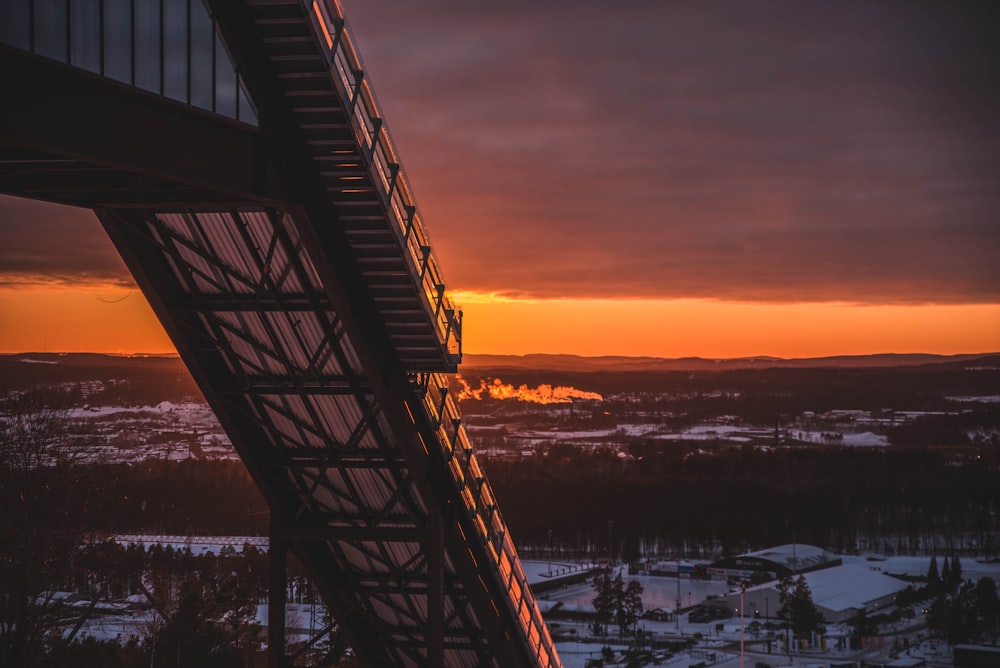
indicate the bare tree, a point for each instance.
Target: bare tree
{"x":43,"y":496}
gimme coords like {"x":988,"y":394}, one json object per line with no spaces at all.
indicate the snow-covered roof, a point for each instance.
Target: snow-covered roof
{"x":982,"y":649}
{"x":845,"y":587}
{"x":796,"y":556}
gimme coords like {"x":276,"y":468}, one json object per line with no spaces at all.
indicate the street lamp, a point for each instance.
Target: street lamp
{"x":611,"y":561}
{"x":743,"y":589}
{"x":550,"y":552}
{"x":677,"y":608}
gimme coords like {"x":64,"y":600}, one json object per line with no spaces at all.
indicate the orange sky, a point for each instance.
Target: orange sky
{"x":665,"y":179}
{"x":107,"y":318}
{"x":714,"y":329}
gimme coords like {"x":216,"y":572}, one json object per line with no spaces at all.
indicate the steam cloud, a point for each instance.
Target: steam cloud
{"x":543,"y":394}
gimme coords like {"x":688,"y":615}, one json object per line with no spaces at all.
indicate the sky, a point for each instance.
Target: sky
{"x":718,"y":179}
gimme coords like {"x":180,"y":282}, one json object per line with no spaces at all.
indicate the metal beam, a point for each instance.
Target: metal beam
{"x":66,"y":113}
{"x":318,"y":386}
{"x":350,"y":533}
{"x":285,"y":302}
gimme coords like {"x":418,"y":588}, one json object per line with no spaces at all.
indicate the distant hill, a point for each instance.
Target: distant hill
{"x":551,"y":362}
{"x":28,"y":368}
{"x":148,"y":377}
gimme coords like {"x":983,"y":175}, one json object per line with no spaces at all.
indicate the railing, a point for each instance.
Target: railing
{"x":482,"y":512}
{"x":167,"y":47}
{"x":383,"y":164}
{"x":438,"y":406}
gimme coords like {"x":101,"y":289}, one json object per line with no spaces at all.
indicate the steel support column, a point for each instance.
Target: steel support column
{"x":435,"y":593}
{"x":277,"y":559}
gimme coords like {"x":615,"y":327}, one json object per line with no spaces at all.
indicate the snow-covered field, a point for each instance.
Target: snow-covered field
{"x":713,"y":638}
{"x":188,"y":429}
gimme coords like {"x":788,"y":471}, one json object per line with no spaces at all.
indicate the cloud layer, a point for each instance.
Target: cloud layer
{"x":751,"y":151}
{"x":766,"y":151}
{"x":47,"y":244}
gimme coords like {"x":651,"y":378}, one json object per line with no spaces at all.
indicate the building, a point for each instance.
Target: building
{"x":773,"y":563}
{"x":660,"y":615}
{"x":976,"y":656}
{"x":839,"y":592}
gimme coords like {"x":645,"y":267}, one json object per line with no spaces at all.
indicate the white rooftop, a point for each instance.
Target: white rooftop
{"x":795,"y":556}
{"x":843,"y":588}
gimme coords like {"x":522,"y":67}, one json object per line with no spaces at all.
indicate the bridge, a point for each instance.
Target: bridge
{"x":236,"y":155}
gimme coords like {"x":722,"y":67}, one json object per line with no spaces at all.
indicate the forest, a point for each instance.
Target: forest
{"x":702,"y":504}
{"x":664,"y":501}
{"x":932,"y":488}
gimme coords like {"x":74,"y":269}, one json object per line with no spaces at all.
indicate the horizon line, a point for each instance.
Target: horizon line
{"x":173,"y":354}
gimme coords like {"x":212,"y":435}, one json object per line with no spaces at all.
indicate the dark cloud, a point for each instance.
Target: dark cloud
{"x":47,"y":243}
{"x":773,"y":151}
{"x":782,"y":151}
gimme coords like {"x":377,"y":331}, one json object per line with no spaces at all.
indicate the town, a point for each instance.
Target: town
{"x":716,"y":507}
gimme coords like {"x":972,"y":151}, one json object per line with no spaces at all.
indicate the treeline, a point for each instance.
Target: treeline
{"x":840,"y":498}
{"x":206,"y":609}
{"x":774,"y":402}
{"x":949,"y":430}
{"x":124,"y":381}
{"x":186,"y":498}
{"x":777,"y":391}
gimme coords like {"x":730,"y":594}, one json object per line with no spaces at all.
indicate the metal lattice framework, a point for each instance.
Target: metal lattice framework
{"x":287,"y":260}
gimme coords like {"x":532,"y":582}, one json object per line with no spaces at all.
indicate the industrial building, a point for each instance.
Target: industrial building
{"x":839,"y":592}
{"x":773,"y":563}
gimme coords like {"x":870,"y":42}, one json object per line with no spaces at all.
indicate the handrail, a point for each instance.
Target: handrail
{"x":392,"y":185}
{"x":439,"y":408}
{"x":482,"y":511}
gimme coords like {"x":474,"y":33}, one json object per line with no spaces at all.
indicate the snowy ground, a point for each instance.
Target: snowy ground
{"x":190,"y":430}
{"x":908,"y":565}
{"x":663,"y":591}
{"x":718,"y":638}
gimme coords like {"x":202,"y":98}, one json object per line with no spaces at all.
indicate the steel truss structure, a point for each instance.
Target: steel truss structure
{"x":294,"y":276}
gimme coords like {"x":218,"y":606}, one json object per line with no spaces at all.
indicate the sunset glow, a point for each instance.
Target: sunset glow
{"x":112,"y":319}
{"x":717,"y":329}
{"x":88,"y":318}
{"x":712,"y":181}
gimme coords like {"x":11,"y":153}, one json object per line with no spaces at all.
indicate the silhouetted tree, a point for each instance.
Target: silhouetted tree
{"x":608,"y":590}
{"x":93,"y":653}
{"x":44,"y":498}
{"x":933,"y":577}
{"x":862,"y":626}
{"x":956,"y":572}
{"x":630,"y":607}
{"x":213,"y":624}
{"x":988,"y":607}
{"x":616,"y":601}
{"x":967,"y":615}
{"x":797,"y":607}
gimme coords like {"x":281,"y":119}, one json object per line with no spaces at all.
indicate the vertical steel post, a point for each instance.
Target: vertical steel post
{"x":743,"y":589}
{"x":435,"y":592}
{"x":276,"y":599}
